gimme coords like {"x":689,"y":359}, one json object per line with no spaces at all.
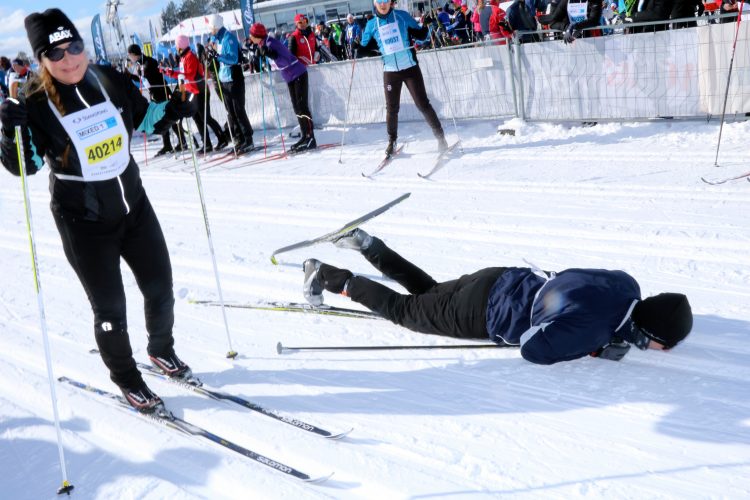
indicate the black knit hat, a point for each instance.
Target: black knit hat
{"x":665,"y":318}
{"x":49,"y":29}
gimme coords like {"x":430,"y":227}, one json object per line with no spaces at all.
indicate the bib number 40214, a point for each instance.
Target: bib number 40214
{"x":103,"y":150}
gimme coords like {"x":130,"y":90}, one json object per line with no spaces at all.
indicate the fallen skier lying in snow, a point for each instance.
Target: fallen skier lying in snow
{"x":552,"y":316}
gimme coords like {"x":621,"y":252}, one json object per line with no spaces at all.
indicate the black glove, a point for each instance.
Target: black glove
{"x":571,"y":34}
{"x":13,"y":114}
{"x":211,"y":53}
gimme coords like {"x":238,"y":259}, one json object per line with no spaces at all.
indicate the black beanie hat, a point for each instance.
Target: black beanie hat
{"x":135,"y":50}
{"x":665,"y":318}
{"x":49,"y":29}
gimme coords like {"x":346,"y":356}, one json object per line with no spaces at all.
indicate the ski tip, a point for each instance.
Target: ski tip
{"x":274,"y":261}
{"x":342,"y":435}
{"x":318,"y":480}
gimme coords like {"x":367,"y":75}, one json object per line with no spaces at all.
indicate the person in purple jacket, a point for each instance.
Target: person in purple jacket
{"x":551,"y":316}
{"x":294,"y":74}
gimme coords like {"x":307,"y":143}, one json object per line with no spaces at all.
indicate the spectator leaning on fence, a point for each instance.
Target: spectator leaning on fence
{"x":686,"y":8}
{"x":591,"y":19}
{"x":652,"y":11}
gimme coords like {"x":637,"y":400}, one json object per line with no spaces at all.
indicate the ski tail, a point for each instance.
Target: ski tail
{"x":344,"y":229}
{"x":442,"y":159}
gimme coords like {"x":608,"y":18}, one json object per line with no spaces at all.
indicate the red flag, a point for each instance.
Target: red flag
{"x":205,"y":19}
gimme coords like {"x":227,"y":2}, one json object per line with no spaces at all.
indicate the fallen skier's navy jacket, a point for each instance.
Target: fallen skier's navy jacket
{"x":566,"y":316}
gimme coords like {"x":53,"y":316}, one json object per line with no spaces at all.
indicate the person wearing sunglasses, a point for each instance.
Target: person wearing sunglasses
{"x":80,"y":120}
{"x":551,"y":316}
{"x":394,"y":32}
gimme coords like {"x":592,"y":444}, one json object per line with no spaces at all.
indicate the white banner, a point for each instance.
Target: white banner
{"x":677,"y":73}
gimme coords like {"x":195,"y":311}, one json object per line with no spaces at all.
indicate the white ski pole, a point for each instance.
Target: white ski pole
{"x":232,"y":353}
{"x":445,"y":85}
{"x":729,"y":78}
{"x":346,"y":112}
{"x":66,"y":486}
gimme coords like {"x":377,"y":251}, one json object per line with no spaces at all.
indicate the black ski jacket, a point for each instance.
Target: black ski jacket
{"x":98,"y":201}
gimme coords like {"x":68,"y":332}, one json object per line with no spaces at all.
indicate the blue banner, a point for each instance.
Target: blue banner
{"x":248,"y":16}
{"x":136,"y":39}
{"x":151,"y":34}
{"x":96,"y":34}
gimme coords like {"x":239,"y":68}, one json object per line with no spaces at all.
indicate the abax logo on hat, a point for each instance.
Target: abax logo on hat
{"x":60,"y":34}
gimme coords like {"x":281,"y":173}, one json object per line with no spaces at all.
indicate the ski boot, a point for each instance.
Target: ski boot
{"x":304,"y":144}
{"x":312,"y":289}
{"x":223,"y":142}
{"x":144,"y":401}
{"x":163,"y":151}
{"x":391,"y":147}
{"x":442,"y":144}
{"x":245,"y":147}
{"x":356,"y":239}
{"x":173,"y":367}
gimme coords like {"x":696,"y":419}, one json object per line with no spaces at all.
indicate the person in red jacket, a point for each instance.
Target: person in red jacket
{"x":195,"y":83}
{"x":499,"y":29}
{"x":302,"y":42}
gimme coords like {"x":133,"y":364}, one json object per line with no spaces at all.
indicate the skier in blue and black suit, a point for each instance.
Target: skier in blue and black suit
{"x":393,"y":31}
{"x":551,"y":316}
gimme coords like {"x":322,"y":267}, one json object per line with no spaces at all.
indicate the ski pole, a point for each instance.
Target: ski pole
{"x":276,"y":105}
{"x":346,"y":112}
{"x":221,"y":95}
{"x":729,"y":78}
{"x":66,"y":486}
{"x":445,"y":85}
{"x":145,"y":138}
{"x":206,"y":139}
{"x":263,"y":108}
{"x":282,"y":349}
{"x":231,"y":353}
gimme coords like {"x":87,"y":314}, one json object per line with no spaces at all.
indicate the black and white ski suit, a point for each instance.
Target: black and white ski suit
{"x":101,"y":222}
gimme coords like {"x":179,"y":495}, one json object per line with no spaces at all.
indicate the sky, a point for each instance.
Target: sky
{"x":134,"y":13}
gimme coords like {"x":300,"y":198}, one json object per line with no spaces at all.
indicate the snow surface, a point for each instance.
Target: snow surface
{"x":429,"y":423}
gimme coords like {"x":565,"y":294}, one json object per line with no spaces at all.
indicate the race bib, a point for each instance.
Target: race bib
{"x":104,"y":150}
{"x":390,"y":38}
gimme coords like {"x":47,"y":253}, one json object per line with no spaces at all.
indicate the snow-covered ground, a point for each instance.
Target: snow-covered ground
{"x":427,"y":424}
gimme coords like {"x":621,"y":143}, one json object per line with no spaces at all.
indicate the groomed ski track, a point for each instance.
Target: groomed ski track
{"x":428,"y":424}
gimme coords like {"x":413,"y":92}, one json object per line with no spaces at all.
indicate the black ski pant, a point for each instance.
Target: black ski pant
{"x":177,"y":129}
{"x":201,"y":118}
{"x":234,"y":102}
{"x":456,"y":308}
{"x":298,"y":92}
{"x":412,"y":78}
{"x":94,"y":250}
